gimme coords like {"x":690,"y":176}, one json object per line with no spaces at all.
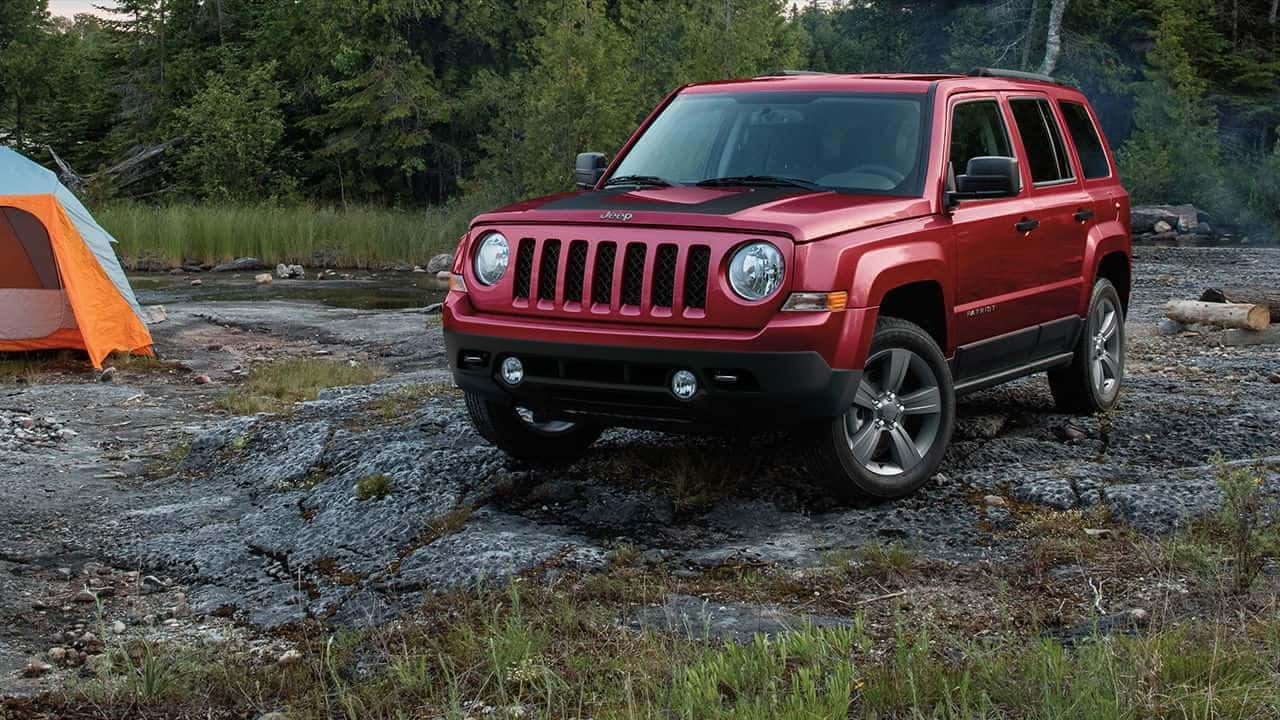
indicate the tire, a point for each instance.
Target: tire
{"x":882,"y":466}
{"x":1092,"y":382}
{"x":521,"y":438}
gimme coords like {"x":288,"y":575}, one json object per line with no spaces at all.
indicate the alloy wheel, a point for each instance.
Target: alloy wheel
{"x":897,"y":413}
{"x":1106,"y":366}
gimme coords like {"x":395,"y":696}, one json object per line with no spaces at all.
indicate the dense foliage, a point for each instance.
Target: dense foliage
{"x":413,"y":102}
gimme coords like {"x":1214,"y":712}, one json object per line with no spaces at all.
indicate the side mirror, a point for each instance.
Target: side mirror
{"x":987,"y":178}
{"x":588,"y":169}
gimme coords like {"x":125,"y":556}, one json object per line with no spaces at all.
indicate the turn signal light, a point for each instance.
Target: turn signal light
{"x":816,"y":302}
{"x":456,"y":282}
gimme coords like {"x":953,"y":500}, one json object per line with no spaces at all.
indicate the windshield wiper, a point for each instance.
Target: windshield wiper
{"x":641,"y":180}
{"x":761,"y":181}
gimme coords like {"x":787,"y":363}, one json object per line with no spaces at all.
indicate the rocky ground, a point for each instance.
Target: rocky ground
{"x":135,"y":508}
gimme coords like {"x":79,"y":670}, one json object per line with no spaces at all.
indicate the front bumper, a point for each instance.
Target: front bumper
{"x":629,"y":386}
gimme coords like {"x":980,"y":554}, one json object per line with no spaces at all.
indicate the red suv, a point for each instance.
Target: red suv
{"x":841,"y":253}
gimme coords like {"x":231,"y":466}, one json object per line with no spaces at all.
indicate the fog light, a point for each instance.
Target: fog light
{"x":684,"y":384}
{"x":512,"y":371}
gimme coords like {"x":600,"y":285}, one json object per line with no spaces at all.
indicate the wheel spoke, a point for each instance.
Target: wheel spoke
{"x":922,"y":402}
{"x":1109,"y":364}
{"x":904,"y":449}
{"x":863,"y":443}
{"x":1098,"y":373}
{"x":866,"y":397}
{"x":1110,"y":324}
{"x":896,"y":373}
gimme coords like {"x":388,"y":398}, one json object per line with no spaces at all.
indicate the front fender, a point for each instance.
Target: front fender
{"x":879,"y":270}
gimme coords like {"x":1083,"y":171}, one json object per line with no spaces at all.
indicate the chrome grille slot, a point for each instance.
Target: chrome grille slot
{"x":548,"y":268}
{"x":633,"y":274}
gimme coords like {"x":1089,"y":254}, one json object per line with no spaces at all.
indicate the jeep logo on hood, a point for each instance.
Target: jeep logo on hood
{"x":611,"y":215}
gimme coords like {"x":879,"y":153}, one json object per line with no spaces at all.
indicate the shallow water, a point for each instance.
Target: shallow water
{"x":364,"y":290}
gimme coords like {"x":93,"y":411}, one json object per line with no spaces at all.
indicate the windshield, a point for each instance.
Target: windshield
{"x":845,"y":142}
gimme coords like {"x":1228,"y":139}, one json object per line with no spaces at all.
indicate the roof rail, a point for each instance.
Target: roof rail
{"x":1016,"y":74}
{"x":780,"y":73}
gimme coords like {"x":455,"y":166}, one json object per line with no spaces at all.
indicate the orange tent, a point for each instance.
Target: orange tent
{"x":61,"y":285}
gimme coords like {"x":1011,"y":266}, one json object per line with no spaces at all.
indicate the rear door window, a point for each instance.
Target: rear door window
{"x":1042,"y":140}
{"x":977,"y":130}
{"x":1093,"y":158}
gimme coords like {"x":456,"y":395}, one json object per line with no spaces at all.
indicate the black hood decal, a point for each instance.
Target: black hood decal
{"x":625,"y":201}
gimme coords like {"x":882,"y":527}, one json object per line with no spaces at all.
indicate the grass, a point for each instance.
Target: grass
{"x":373,"y":486}
{"x":535,"y":651}
{"x":363,"y":237}
{"x":275,"y":386}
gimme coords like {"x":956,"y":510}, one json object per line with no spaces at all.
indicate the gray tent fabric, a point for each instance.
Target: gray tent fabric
{"x":27,"y":314}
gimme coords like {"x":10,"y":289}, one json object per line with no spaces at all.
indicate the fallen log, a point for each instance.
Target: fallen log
{"x":1227,"y":315}
{"x":1248,"y":296}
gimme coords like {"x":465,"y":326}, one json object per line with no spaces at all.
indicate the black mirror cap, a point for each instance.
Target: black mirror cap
{"x":989,"y":177}
{"x":588,"y":170}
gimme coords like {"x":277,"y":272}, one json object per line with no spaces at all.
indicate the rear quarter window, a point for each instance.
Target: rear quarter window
{"x":1042,"y":140}
{"x":1093,"y":158}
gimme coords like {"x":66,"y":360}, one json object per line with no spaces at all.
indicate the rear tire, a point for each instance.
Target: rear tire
{"x":1092,"y":382}
{"x":891,"y":441}
{"x":520,"y":437}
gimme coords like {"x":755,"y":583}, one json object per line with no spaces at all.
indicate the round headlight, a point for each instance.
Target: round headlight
{"x":491,"y":258}
{"x":755,"y":272}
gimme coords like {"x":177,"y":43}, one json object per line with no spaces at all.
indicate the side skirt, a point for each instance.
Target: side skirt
{"x":1023,"y":352}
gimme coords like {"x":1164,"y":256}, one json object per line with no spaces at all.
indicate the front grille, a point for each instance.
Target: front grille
{"x":664,"y":276}
{"x":695,"y":277}
{"x":575,"y":271}
{"x":604,"y":275}
{"x":633,"y":274}
{"x":524,"y":268}
{"x":547,"y":270}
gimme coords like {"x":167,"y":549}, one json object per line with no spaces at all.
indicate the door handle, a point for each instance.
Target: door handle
{"x":1026,"y":225}
{"x":1083,"y":215}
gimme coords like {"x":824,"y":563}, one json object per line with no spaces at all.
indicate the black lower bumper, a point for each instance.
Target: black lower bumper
{"x":631,"y":386}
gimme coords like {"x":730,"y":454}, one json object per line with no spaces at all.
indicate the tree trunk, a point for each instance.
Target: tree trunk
{"x":1269,"y":297}
{"x":1029,"y":35}
{"x":1053,"y":37}
{"x":1228,"y":315}
{"x":1275,"y":11}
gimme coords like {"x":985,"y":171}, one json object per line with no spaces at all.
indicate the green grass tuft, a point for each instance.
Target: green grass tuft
{"x":277,"y":385}
{"x":373,"y":486}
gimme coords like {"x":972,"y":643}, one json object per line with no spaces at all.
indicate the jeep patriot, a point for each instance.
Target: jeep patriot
{"x":841,"y":254}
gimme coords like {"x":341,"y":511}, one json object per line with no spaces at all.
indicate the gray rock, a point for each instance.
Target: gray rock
{"x":999,"y":517}
{"x":441,"y":262}
{"x":701,"y":619}
{"x":1168,"y":327}
{"x":244,"y":264}
{"x":492,"y":548}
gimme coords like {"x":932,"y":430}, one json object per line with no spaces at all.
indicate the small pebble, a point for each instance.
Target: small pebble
{"x":289,"y":657}
{"x":994,"y":501}
{"x":36,"y":668}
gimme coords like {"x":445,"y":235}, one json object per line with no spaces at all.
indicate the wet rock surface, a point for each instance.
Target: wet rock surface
{"x":262,"y":519}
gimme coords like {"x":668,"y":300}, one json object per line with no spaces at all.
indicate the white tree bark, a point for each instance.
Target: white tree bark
{"x":1275,"y":10}
{"x":1053,"y":38}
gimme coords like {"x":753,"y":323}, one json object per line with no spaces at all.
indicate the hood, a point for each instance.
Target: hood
{"x":800,"y":214}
